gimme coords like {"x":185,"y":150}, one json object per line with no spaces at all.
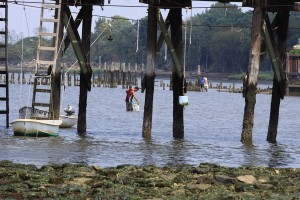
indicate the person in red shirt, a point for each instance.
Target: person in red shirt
{"x":130,"y":94}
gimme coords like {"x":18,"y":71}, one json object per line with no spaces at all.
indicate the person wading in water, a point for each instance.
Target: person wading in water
{"x":130,"y":94}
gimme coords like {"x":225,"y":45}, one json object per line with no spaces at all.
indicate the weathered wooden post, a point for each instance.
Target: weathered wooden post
{"x":19,"y":78}
{"x":23,"y":78}
{"x":105,"y":74}
{"x":119,"y":80}
{"x":56,"y":71}
{"x":135,"y":75}
{"x":84,"y":83}
{"x":148,"y":79}
{"x":198,"y":77}
{"x":177,"y":76}
{"x":129,"y":75}
{"x":112,"y":68}
{"x":74,"y":79}
{"x":253,"y":68}
{"x":277,"y":56}
{"x":142,"y":71}
{"x":123,"y":75}
{"x":93,"y":79}
{"x":69,"y":79}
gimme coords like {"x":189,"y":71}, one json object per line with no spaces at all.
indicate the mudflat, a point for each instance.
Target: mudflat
{"x":206,"y":181}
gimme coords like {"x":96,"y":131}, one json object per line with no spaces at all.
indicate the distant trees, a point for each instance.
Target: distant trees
{"x":220,"y":40}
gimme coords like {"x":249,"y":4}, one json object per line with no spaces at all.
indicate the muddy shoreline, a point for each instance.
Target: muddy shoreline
{"x":206,"y":181}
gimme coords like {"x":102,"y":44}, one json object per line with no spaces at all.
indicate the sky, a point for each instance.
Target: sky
{"x":23,"y":20}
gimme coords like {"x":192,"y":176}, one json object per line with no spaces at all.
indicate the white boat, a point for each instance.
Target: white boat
{"x":26,"y":112}
{"x":68,"y":120}
{"x":35,"y":128}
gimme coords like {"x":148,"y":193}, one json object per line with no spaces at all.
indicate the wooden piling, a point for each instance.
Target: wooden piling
{"x":105,"y":75}
{"x":135,"y":74}
{"x":74,"y":79}
{"x":278,"y":87}
{"x":178,"y":79}
{"x":86,"y":41}
{"x":148,"y":79}
{"x":253,"y":68}
{"x":56,"y":71}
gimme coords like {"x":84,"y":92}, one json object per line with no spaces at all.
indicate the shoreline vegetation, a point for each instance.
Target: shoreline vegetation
{"x":206,"y":181}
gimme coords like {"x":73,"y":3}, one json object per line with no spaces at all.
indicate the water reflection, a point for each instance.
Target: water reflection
{"x":250,"y":157}
{"x":177,"y":152}
{"x":146,"y":150}
{"x":278,"y":155}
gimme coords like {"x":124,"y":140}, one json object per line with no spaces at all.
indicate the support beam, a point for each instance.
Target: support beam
{"x":168,"y":4}
{"x":176,"y":62}
{"x":149,"y":77}
{"x":77,"y":46}
{"x":161,"y":36}
{"x":77,"y":24}
{"x":274,"y":55}
{"x":253,"y":68}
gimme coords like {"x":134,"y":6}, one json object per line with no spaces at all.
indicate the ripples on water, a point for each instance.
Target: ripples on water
{"x":213,"y":125}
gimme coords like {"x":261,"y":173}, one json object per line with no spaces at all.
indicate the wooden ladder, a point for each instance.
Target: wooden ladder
{"x":4,"y":89}
{"x":46,"y":60}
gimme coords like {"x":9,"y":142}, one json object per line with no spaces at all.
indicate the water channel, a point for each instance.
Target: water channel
{"x":213,"y":125}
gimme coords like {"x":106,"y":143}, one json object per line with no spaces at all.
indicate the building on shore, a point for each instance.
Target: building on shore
{"x":293,"y":71}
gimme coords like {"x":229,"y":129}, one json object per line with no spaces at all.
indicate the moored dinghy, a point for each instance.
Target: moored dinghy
{"x":69,"y":119}
{"x":35,"y":128}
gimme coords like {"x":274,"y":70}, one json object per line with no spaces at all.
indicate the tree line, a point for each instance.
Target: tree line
{"x":218,"y":40}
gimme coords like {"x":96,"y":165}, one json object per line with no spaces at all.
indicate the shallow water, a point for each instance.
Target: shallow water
{"x":213,"y":125}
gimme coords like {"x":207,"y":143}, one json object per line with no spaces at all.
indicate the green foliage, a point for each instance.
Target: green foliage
{"x":263,"y":76}
{"x":294,"y":51}
{"x":218,"y":40}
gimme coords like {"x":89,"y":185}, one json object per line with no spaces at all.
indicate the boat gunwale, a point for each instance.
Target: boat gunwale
{"x":46,"y":121}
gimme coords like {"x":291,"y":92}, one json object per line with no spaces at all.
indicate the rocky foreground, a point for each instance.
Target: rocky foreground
{"x":207,"y":181}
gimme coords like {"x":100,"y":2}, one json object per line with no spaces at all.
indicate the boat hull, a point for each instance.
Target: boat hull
{"x":68,"y":121}
{"x":35,"y":128}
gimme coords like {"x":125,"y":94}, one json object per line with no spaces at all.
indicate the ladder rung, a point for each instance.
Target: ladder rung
{"x":2,"y":32}
{"x":45,"y":62}
{"x":46,"y":34}
{"x":2,"y":6}
{"x":3,"y":72}
{"x":4,"y":112}
{"x":2,"y":46}
{"x":43,"y":90}
{"x":2,"y":19}
{"x":49,"y":20}
{"x":2,"y":85}
{"x":3,"y":98}
{"x":46,"y":48}
{"x":41,"y":104}
{"x":50,"y":6}
{"x":2,"y":59}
